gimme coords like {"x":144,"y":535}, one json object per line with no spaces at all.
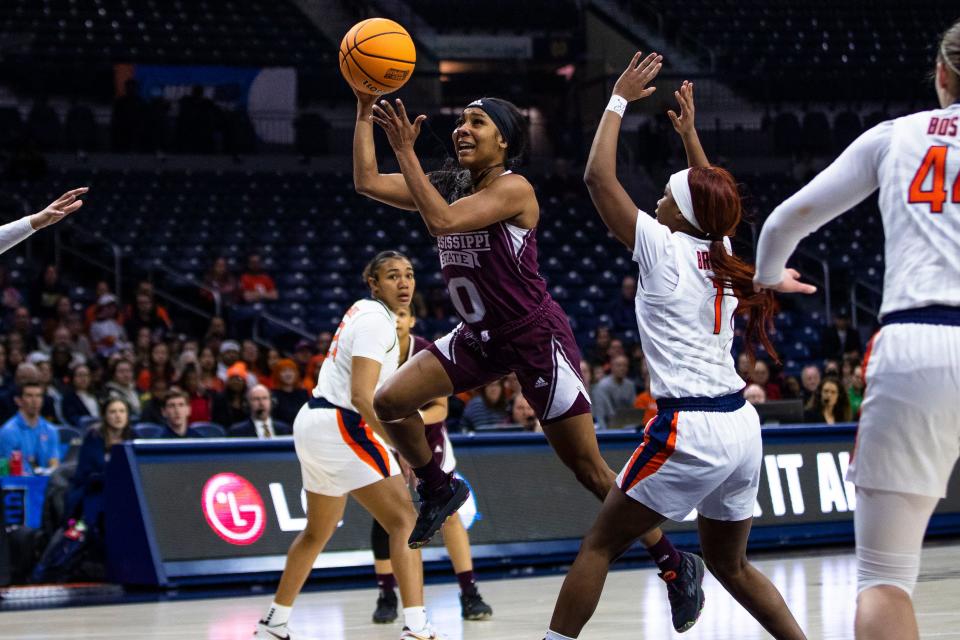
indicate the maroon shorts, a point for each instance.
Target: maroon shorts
{"x":440,"y":447}
{"x":540,"y":349}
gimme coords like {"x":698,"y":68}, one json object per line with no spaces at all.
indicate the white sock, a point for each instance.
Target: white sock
{"x":553,"y":635}
{"x":415,"y":618}
{"x":277,"y":615}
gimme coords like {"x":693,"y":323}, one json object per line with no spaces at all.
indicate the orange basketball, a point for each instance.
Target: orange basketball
{"x":377,"y":56}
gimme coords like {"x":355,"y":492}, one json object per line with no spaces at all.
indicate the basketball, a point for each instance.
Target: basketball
{"x":377,"y":56}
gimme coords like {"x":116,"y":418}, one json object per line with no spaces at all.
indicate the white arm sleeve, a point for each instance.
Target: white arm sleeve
{"x":13,"y":233}
{"x":844,"y":184}
{"x":373,"y":336}
{"x":651,"y":243}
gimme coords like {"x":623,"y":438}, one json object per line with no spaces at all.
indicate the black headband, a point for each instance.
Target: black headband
{"x":503,"y":120}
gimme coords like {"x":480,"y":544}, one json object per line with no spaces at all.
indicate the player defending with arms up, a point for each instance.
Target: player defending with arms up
{"x":703,"y":448}
{"x":485,"y":217}
{"x":909,"y":433}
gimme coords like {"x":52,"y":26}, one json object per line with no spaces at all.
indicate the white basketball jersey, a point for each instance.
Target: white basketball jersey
{"x":686,"y":329}
{"x":919,"y":178}
{"x":368,"y":330}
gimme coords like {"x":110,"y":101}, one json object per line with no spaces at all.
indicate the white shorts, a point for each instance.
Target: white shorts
{"x":338,"y":451}
{"x":698,"y":456}
{"x":908,"y":439}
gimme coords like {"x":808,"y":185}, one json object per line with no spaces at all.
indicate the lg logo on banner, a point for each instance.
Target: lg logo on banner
{"x":234,"y":509}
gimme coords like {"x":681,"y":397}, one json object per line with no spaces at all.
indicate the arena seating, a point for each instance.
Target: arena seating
{"x":812,"y":50}
{"x":315,"y":234}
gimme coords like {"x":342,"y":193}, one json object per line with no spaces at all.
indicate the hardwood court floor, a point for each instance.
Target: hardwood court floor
{"x":819,"y":588}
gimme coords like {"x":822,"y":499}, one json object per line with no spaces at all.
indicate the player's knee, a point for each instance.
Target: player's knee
{"x":388,"y":405}
{"x":726,"y":569}
{"x":883,"y":568}
{"x":401,"y":523}
{"x":596,"y":480}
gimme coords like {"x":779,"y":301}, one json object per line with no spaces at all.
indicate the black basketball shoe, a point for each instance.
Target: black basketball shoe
{"x":685,"y":591}
{"x":435,"y":509}
{"x":472,"y":607}
{"x":386,"y":611}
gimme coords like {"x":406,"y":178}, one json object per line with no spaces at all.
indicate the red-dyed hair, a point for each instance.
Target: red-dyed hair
{"x":717,"y":206}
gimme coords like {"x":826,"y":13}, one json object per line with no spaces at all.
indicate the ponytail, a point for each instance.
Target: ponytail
{"x":717,"y":206}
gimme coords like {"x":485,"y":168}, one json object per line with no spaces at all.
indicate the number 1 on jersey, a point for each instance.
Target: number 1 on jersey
{"x":934,"y":161}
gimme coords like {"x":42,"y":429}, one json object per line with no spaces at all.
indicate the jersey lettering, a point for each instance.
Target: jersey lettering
{"x":703,"y":260}
{"x":942,"y":126}
{"x":934,"y":163}
{"x":466,"y":299}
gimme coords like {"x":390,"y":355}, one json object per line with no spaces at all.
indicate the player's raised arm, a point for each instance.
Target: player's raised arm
{"x":13,"y":233}
{"x":841,"y":186}
{"x":617,"y":209}
{"x":389,"y":188}
{"x":684,"y":125}
{"x":504,"y":199}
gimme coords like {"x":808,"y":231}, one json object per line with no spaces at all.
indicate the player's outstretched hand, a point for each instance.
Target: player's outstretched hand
{"x":400,"y":131}
{"x":632,"y":84}
{"x":789,"y":283}
{"x":683,"y":123}
{"x":58,"y":209}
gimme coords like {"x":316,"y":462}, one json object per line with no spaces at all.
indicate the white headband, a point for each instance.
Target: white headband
{"x":680,"y":188}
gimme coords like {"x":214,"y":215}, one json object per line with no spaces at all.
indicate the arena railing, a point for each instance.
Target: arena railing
{"x":857,"y":304}
{"x":62,"y":246}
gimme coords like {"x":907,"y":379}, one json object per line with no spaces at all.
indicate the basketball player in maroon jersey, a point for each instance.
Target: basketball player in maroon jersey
{"x":484,"y":217}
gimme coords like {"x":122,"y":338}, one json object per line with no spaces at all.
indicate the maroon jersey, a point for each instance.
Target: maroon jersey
{"x":492,"y":274}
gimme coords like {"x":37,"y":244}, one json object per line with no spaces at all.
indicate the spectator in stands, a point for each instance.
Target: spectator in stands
{"x":598,"y":353}
{"x":586,"y":374}
{"x":146,"y":315}
{"x":176,"y":415}
{"x":230,"y":407}
{"x":855,"y":392}
{"x":755,"y":394}
{"x":201,"y":400}
{"x":101,"y":289}
{"x":616,"y":391}
{"x":25,"y":373}
{"x":615,"y":350}
{"x":216,"y":334}
{"x":22,"y":325}
{"x":810,"y":381}
{"x":288,"y":394}
{"x":829,"y":404}
{"x":63,"y":339}
{"x":251,"y":356}
{"x":219,"y":279}
{"x":761,"y":376}
{"x":78,"y":402}
{"x":313,"y":367}
{"x":160,"y":366}
{"x":199,"y":122}
{"x":151,"y":403}
{"x":792,"y":389}
{"x":106,"y":332}
{"x":744,"y":368}
{"x":31,"y":435}
{"x":52,"y":394}
{"x":487,"y":409}
{"x":521,"y":413}
{"x":61,"y":362}
{"x":209,"y":380}
{"x":302,"y":354}
{"x":229,"y":355}
{"x":272,"y":358}
{"x":623,"y":310}
{"x":260,"y":424}
{"x":62,"y":310}
{"x":85,"y":497}
{"x":255,"y":285}
{"x":839,"y":339}
{"x":121,"y":385}
{"x":45,"y":294}
{"x":79,"y":341}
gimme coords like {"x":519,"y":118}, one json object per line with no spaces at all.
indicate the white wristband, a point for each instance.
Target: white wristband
{"x":617,"y":104}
